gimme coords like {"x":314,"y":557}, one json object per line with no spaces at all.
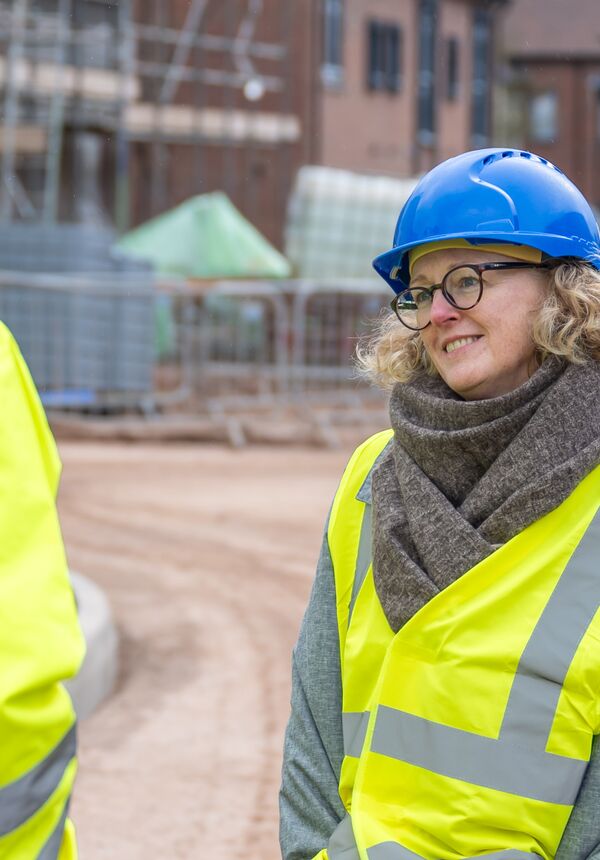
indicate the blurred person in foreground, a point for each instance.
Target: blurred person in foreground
{"x":446,"y":681}
{"x":40,"y":639}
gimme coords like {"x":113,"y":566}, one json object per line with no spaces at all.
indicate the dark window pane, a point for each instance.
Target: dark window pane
{"x":373,"y":56}
{"x":452,"y":69}
{"x":393,"y":60}
{"x":427,"y":40}
{"x":481,"y":76}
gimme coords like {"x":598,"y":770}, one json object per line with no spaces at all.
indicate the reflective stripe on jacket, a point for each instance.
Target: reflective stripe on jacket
{"x":469,"y":731}
{"x":40,"y":640}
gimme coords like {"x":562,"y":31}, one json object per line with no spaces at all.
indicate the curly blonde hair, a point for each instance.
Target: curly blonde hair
{"x":567,"y":325}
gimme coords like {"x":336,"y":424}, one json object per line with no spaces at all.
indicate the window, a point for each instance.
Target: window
{"x":481,"y":76}
{"x":543,"y":117}
{"x":332,"y":68}
{"x":427,"y":41}
{"x":452,"y":68}
{"x":384,"y":56}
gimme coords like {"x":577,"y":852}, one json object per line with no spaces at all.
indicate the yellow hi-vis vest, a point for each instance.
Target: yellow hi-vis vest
{"x":40,"y":640}
{"x":468,"y":732}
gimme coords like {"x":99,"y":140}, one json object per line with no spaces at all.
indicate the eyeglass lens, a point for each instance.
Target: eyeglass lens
{"x":461,"y":286}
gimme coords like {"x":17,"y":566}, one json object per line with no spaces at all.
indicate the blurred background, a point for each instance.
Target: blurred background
{"x":191,"y":193}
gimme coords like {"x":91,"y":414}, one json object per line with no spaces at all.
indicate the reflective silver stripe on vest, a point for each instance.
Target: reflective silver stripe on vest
{"x":51,"y":849}
{"x":342,"y":845}
{"x":395,"y":851}
{"x":477,"y":759}
{"x":21,"y":799}
{"x":363,"y":557}
{"x":354,"y":725}
{"x":392,"y":851}
{"x":500,"y":763}
{"x":354,"y":729}
{"x":549,"y":653}
{"x":509,"y":854}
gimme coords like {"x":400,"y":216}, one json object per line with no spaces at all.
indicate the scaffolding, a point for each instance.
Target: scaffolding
{"x":121,"y":71}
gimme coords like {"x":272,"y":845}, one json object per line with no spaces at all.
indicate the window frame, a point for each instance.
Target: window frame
{"x":385,"y":43}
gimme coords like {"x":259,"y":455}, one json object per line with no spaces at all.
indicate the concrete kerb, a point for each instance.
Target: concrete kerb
{"x":98,"y":674}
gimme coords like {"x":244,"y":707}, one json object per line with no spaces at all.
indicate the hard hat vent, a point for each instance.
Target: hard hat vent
{"x":507,"y":153}
{"x":515,"y":153}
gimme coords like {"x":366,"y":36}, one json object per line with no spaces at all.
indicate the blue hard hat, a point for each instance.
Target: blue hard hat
{"x":493,"y":196}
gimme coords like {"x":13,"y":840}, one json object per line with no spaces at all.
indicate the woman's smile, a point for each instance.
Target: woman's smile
{"x":458,"y":343}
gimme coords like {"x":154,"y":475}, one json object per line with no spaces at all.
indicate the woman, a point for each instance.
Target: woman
{"x":446,"y":681}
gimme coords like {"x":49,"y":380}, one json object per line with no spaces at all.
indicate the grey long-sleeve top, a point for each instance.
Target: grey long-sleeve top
{"x":310,"y":805}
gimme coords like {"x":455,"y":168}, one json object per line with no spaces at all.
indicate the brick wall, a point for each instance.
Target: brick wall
{"x":376,"y":132}
{"x":371,"y":131}
{"x":576,"y":146}
{"x":255,"y":173}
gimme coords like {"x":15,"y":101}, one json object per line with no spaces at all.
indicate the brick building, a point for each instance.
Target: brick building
{"x":234,"y":113}
{"x":377,"y":86}
{"x":404,"y":85}
{"x":115,"y":110}
{"x":550,"y":98}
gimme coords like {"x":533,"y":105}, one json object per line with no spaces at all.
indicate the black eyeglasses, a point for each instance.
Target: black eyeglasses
{"x":462,"y":287}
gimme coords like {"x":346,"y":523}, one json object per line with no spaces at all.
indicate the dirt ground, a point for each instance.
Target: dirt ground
{"x":207,"y":556}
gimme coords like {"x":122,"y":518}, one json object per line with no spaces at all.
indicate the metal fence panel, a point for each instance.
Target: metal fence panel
{"x":289,"y":345}
{"x":49,"y":248}
{"x":87,"y":339}
{"x":82,"y":313}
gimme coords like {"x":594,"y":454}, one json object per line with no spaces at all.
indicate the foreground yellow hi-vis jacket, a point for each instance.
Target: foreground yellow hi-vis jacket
{"x":40,"y":640}
{"x":468,"y":732}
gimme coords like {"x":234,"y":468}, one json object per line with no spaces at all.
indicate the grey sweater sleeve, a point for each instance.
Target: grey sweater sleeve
{"x":310,"y":806}
{"x":581,"y":839}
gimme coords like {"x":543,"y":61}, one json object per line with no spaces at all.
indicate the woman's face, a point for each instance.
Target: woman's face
{"x":499,"y":353}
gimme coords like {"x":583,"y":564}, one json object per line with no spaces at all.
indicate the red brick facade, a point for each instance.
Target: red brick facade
{"x":251,"y":159}
{"x":187,"y":97}
{"x":342,"y":124}
{"x":552,"y":54}
{"x":378,"y":132}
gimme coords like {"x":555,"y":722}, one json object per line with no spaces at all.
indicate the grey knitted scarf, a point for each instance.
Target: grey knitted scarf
{"x":461,"y":478}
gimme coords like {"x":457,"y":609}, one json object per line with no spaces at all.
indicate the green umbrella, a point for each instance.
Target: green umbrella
{"x":205,"y":237}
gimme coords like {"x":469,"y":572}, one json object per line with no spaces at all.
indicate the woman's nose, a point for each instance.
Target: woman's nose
{"x":441,"y":309}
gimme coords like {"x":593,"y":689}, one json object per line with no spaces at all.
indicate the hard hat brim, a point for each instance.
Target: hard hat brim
{"x":392,"y":265}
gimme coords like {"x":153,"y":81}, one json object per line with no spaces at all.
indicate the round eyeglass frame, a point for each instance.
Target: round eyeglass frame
{"x":479,"y":268}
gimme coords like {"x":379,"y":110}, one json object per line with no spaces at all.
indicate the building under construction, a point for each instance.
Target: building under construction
{"x":114,"y":110}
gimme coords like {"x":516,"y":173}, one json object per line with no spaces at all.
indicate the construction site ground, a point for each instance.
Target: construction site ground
{"x":206,"y":555}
